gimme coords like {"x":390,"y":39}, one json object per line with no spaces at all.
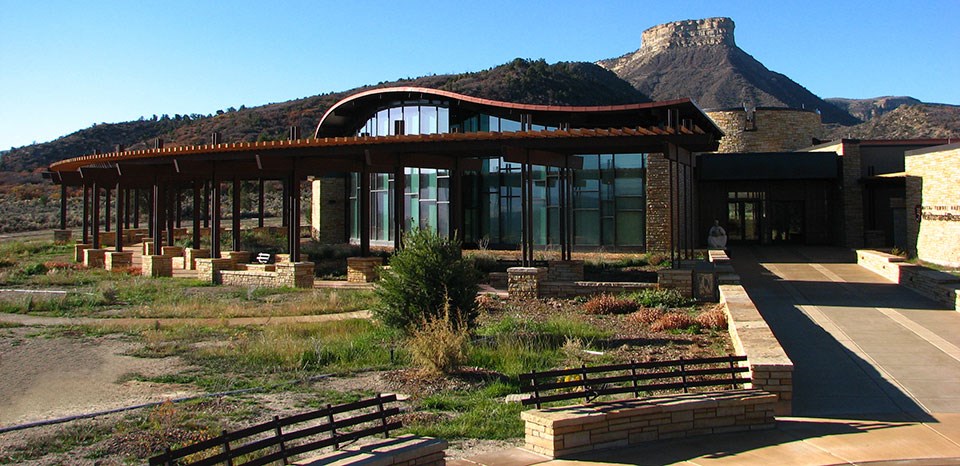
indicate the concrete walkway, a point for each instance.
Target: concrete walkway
{"x":876,"y":377}
{"x":863,"y":347}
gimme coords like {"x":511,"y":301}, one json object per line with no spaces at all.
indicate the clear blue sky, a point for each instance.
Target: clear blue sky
{"x":65,"y":65}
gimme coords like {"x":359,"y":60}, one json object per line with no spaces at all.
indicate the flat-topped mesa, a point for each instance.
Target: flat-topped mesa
{"x":689,"y":33}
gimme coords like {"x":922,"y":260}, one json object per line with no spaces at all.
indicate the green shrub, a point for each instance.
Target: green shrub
{"x":426,"y":276}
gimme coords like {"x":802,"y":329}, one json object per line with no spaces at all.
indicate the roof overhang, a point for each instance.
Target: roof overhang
{"x":768,"y":166}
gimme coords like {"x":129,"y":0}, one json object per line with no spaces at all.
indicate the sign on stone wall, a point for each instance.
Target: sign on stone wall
{"x":940,"y":213}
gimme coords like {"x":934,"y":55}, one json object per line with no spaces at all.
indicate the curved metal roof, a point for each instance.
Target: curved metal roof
{"x":346,"y":116}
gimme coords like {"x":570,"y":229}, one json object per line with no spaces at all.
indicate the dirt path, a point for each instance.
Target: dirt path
{"x":138,"y":322}
{"x":45,"y":378}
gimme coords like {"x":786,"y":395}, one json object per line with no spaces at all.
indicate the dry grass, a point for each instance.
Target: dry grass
{"x":609,"y":304}
{"x":673,"y":321}
{"x":714,"y":319}
{"x":439,"y":346}
{"x":647,"y":315}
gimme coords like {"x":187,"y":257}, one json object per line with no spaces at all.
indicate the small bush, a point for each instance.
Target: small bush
{"x":657,"y":259}
{"x":673,"y":321}
{"x":659,"y":297}
{"x":714,"y":318}
{"x":647,"y":315}
{"x":439,"y":345}
{"x":609,"y":304}
{"x":426,"y":277}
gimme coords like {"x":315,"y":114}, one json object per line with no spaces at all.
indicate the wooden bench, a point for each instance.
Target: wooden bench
{"x":334,"y":426}
{"x":607,"y":419}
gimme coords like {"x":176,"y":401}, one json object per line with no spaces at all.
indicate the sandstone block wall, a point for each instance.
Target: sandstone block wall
{"x":678,"y":279}
{"x":295,"y":274}
{"x":938,"y":286}
{"x":191,"y":255}
{"x":933,"y":204}
{"x":524,"y":282}
{"x":565,"y":271}
{"x":773,"y":129}
{"x":157,"y":266}
{"x":565,"y":431}
{"x":93,"y":257}
{"x":659,"y":226}
{"x":171,"y":251}
{"x":570,"y":289}
{"x":406,"y":450}
{"x":238,"y":257}
{"x":62,"y":236}
{"x":209,"y":270}
{"x":115,"y":260}
{"x":329,"y":214}
{"x":363,"y":269}
{"x":770,"y":368}
{"x":78,"y":251}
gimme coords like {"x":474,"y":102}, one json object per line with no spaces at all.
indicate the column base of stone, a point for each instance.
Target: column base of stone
{"x":677,"y":279}
{"x":239,"y":257}
{"x":148,"y":248}
{"x":93,"y":258}
{"x":62,"y":236}
{"x":191,"y":255}
{"x":524,"y":282}
{"x":281,"y":258}
{"x":363,"y":269}
{"x":171,"y":251}
{"x":114,"y":260}
{"x":295,"y":274}
{"x":108,"y":238}
{"x":565,"y":271}
{"x":208,"y":269}
{"x":78,"y":251}
{"x":157,"y":266}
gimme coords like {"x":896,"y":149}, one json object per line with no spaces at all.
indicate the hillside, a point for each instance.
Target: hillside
{"x":917,"y":121}
{"x":525,"y":81}
{"x":865,"y":109}
{"x":701,"y":60}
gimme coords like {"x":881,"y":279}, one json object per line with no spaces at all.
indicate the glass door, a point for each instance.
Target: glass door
{"x":744,"y":216}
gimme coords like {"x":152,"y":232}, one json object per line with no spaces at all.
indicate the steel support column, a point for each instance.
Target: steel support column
{"x":399,"y":212}
{"x":364,"y":212}
{"x":235,"y":214}
{"x":179,"y":195}
{"x":106,"y":208}
{"x":455,"y":207}
{"x":168,"y":211}
{"x":96,"y":216}
{"x":294,"y":222}
{"x":63,"y":206}
{"x":215,"y":221}
{"x":197,"y":187}
{"x":206,"y":204}
{"x":86,"y":214}
{"x":260,"y":208}
{"x":118,"y":243}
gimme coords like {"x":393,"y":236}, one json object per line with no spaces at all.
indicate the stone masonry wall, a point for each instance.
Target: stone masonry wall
{"x":157,"y":266}
{"x":115,"y":260}
{"x":363,"y":269}
{"x":524,"y":282}
{"x":329,"y":213}
{"x":209,"y":270}
{"x":852,"y":190}
{"x":659,"y":227}
{"x":934,"y":284}
{"x":771,"y":369}
{"x":565,"y":431}
{"x":933,"y":205}
{"x":777,"y":129}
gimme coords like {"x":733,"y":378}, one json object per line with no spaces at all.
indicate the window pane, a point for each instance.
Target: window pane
{"x":630,"y":228}
{"x":587,"y":229}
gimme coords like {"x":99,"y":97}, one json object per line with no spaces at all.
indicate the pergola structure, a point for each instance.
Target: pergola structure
{"x":675,"y":129}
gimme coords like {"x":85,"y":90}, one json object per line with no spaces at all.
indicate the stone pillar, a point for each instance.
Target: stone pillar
{"x":524,"y":282}
{"x":295,"y":274}
{"x":678,"y":279}
{"x":363,"y":269}
{"x":659,"y":225}
{"x":239,"y":257}
{"x":78,"y":251}
{"x":147,"y":247}
{"x":157,"y":266}
{"x":93,"y":257}
{"x":171,"y":251}
{"x":281,"y":258}
{"x":328,"y":216}
{"x":565,"y":271}
{"x":191,"y":255}
{"x":62,"y":236}
{"x":852,"y":195}
{"x":208,"y":270}
{"x":115,"y":260}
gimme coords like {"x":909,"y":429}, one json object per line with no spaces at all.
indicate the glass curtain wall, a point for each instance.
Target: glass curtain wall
{"x":608,"y":193}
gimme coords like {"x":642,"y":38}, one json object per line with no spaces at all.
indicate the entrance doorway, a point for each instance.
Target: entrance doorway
{"x":786,"y":221}
{"x":744,"y":216}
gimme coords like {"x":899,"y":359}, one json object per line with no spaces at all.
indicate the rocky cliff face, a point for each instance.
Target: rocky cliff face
{"x":700,"y":59}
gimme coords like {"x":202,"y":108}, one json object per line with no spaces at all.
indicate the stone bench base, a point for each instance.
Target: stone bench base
{"x":558,"y":432}
{"x":406,"y":450}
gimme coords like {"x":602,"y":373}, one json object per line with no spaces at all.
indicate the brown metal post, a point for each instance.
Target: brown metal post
{"x":197,"y":186}
{"x":106,"y":207}
{"x":136,"y":208}
{"x":118,"y":243}
{"x":86,"y":214}
{"x":455,"y":205}
{"x":63,"y":206}
{"x":399,"y":212}
{"x":96,"y":216}
{"x":156,"y":217}
{"x":295,"y":219}
{"x":168,"y":211}
{"x":206,"y":204}
{"x":215,"y":222}
{"x":286,"y":204}
{"x":179,"y":194}
{"x":260,"y":207}
{"x":364,"y":212}
{"x":235,"y":220}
